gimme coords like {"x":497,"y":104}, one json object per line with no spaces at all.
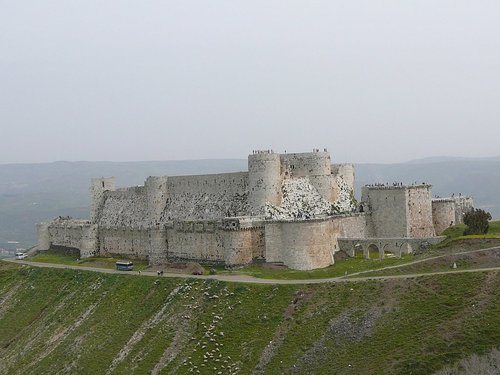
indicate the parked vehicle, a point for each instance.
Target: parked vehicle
{"x":21,"y":256}
{"x":124,"y":265}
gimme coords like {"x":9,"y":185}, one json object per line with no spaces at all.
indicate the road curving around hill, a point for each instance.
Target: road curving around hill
{"x":254,"y":280}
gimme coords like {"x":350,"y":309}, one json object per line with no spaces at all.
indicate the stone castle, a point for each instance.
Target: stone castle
{"x":296,"y":209}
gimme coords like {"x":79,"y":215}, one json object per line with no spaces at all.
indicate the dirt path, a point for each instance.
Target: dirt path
{"x":254,"y":280}
{"x":425,"y":260}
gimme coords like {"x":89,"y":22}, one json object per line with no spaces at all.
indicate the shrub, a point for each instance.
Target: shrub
{"x":477,"y":221}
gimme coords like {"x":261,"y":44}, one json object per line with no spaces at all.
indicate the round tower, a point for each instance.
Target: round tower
{"x":97,"y":188}
{"x":43,"y":242}
{"x":264,"y":180}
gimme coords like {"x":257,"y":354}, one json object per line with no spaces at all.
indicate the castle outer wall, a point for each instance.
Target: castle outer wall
{"x":221,"y":218}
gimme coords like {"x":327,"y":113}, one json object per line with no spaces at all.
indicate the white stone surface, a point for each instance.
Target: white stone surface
{"x":300,"y":201}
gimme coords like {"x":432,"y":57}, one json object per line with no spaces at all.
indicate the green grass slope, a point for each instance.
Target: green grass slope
{"x":76,"y":322}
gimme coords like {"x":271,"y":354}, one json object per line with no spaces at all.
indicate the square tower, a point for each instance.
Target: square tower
{"x":399,"y":211}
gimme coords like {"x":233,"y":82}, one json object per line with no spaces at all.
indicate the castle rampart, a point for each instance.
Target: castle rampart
{"x":288,"y":208}
{"x":303,"y":245}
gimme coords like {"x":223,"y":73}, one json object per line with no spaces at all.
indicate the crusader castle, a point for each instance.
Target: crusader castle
{"x":295,"y":209}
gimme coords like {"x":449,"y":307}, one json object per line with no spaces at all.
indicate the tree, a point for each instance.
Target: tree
{"x":477,"y":221}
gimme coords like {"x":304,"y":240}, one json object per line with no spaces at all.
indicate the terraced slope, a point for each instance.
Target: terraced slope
{"x":67,"y":322}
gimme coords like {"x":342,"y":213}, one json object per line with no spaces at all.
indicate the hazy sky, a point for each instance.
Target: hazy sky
{"x":374,"y":81}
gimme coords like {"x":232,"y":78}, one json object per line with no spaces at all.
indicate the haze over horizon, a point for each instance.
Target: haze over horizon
{"x":430,"y":159}
{"x":374,"y":82}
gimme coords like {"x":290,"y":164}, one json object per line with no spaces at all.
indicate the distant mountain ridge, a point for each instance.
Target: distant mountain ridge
{"x":443,"y":159}
{"x":31,"y":193}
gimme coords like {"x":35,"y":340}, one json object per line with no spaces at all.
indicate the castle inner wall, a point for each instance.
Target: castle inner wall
{"x":206,"y":197}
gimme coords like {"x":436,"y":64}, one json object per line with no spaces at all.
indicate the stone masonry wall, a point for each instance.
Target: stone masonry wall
{"x":343,"y":187}
{"x":97,"y":188}
{"x":69,"y":233}
{"x":66,"y":235}
{"x":346,"y":172}
{"x":242,"y":246}
{"x":388,"y":208}
{"x":125,"y":208}
{"x":158,"y":245}
{"x":462,"y":206}
{"x":206,"y":197}
{"x":307,"y":164}
{"x":301,"y":200}
{"x":156,"y":196}
{"x":43,"y":236}
{"x":193,"y":245}
{"x":302,"y":245}
{"x":125,"y":242}
{"x":419,"y":217}
{"x":265,"y":178}
{"x":443,"y":214}
{"x":351,"y":226}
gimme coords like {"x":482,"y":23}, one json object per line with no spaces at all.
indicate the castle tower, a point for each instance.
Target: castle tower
{"x":443,"y":214}
{"x":308,"y":164}
{"x":264,"y":180}
{"x":97,"y":188}
{"x":316,"y":166}
{"x":157,"y":194}
{"x":400,"y":211}
{"x":43,"y":242}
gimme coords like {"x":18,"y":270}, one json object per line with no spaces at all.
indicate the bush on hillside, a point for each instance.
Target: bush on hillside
{"x":477,"y":221}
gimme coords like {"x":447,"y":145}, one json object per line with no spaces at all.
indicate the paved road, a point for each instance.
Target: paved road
{"x":254,"y":280}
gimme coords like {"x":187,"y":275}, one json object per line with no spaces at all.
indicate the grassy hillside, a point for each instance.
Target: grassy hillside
{"x":63,"y":321}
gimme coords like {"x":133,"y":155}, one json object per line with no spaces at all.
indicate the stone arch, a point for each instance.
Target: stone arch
{"x":372,"y":249}
{"x":357,"y":248}
{"x":392,"y":248}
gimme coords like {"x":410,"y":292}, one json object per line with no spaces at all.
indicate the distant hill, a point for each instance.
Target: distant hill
{"x":31,"y":193}
{"x":441,"y":159}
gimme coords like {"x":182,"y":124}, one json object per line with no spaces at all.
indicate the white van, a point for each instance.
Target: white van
{"x":21,"y":256}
